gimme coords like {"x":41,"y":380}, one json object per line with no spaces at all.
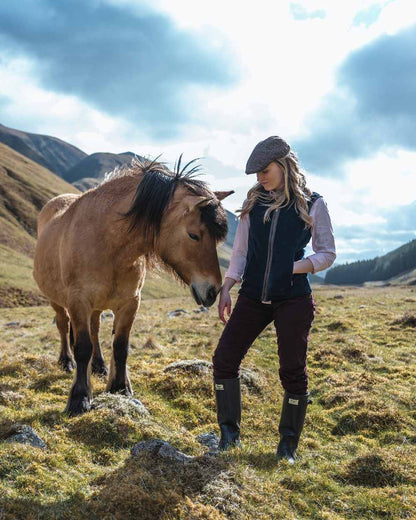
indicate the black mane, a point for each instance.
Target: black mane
{"x":155,"y":191}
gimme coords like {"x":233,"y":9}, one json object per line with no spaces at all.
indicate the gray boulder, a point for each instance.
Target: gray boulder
{"x":24,"y":434}
{"x":160,"y":448}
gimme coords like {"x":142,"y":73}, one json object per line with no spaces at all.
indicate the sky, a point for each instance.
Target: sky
{"x":211,"y":79}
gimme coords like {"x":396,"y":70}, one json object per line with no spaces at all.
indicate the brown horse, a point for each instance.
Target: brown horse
{"x":93,"y":250}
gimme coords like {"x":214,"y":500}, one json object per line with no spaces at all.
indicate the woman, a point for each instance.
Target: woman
{"x":277,"y":220}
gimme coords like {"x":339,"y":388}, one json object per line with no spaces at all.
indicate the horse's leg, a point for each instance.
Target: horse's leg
{"x":81,"y":392}
{"x":118,"y":380}
{"x":98,"y":365}
{"x":66,"y":359}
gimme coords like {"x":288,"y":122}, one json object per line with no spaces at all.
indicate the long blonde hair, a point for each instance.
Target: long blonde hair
{"x":295,"y":192}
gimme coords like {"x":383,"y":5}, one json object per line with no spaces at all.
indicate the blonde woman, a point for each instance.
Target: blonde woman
{"x":277,"y":220}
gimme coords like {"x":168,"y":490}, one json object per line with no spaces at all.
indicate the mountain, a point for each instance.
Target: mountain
{"x":97,"y":164}
{"x":50,"y":152}
{"x":396,"y":263}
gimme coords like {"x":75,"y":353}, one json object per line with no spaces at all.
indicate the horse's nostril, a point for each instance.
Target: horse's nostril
{"x":196,"y":295}
{"x":212,"y":293}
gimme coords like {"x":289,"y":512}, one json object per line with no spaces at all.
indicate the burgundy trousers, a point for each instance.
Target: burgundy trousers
{"x":292,"y":319}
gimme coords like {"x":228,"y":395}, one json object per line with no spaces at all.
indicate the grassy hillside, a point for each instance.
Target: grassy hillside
{"x":24,"y":188}
{"x":357,"y":456}
{"x":394,"y":264}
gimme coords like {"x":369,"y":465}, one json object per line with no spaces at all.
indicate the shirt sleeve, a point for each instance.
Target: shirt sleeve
{"x":323,"y":241}
{"x":239,"y":253}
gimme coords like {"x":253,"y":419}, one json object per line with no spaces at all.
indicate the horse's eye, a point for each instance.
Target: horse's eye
{"x":194,"y":237}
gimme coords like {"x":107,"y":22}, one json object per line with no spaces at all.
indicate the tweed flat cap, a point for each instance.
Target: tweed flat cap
{"x":265,"y":152}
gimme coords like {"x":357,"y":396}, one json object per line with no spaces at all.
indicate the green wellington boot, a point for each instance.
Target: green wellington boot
{"x":291,"y":424}
{"x":228,"y":397}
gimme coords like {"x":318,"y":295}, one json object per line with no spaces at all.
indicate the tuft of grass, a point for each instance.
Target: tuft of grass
{"x":373,"y":470}
{"x":407,"y":320}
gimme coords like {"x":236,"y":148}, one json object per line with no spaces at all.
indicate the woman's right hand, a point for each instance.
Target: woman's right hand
{"x":224,"y":303}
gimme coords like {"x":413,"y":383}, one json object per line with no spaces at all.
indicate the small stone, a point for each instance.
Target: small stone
{"x":176,"y":312}
{"x":107,"y":315}
{"x":250,"y":379}
{"x":338,"y":297}
{"x":26,"y":435}
{"x":12,"y":324}
{"x":202,"y":309}
{"x":160,"y":448}
{"x":121,"y":405}
{"x":210,"y":440}
{"x":195,"y":366}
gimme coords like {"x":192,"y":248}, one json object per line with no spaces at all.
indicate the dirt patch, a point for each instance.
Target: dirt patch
{"x":407,"y":320}
{"x":15,"y":297}
{"x":374,"y":471}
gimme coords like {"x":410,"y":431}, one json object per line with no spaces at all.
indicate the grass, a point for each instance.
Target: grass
{"x":357,"y":455}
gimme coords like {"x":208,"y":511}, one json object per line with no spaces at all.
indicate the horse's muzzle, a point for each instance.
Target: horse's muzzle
{"x":204,"y":295}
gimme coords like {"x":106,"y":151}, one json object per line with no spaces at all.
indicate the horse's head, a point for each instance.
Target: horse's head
{"x":190,"y":231}
{"x":181,"y":220}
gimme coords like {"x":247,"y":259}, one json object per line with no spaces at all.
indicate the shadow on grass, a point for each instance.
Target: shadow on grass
{"x":146,"y":486}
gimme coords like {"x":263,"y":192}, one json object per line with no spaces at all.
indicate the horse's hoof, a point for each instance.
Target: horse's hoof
{"x":67,"y":364}
{"x":123,"y":390}
{"x":77,"y":406}
{"x":99,"y":367}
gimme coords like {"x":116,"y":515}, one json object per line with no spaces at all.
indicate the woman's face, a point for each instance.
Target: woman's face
{"x":272,"y":177}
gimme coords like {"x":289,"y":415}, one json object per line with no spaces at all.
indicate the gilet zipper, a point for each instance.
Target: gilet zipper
{"x":270,"y":253}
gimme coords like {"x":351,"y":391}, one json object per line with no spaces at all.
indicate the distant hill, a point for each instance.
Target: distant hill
{"x":25,"y":187}
{"x":86,"y":183}
{"x":97,"y":164}
{"x":396,"y":263}
{"x":50,"y":152}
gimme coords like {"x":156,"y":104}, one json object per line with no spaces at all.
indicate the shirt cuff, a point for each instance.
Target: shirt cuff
{"x":236,"y":278}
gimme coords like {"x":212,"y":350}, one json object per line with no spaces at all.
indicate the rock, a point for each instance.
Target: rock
{"x":108,"y":314}
{"x":120,"y":404}
{"x":160,"y":448}
{"x":176,"y":312}
{"x":12,"y":324}
{"x":26,"y":435}
{"x":338,"y":297}
{"x":250,"y":379}
{"x":210,"y":440}
{"x":202,"y":309}
{"x":193,"y":366}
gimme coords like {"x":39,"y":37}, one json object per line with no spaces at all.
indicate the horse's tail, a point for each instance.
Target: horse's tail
{"x":53,"y":207}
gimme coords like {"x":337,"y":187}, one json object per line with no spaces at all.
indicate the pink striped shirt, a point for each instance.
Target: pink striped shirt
{"x":323,"y":242}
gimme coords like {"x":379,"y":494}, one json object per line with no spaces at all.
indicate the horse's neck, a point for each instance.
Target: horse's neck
{"x":116,"y":197}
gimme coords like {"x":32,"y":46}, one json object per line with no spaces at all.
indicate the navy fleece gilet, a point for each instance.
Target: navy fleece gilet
{"x":272,"y":248}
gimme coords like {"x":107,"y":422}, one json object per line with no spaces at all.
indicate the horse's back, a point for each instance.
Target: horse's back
{"x":54,"y":207}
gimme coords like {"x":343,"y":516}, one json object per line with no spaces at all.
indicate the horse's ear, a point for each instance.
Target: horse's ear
{"x":194,"y":201}
{"x":222,"y":194}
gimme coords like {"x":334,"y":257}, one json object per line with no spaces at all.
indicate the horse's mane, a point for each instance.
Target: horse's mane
{"x":156,"y":189}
